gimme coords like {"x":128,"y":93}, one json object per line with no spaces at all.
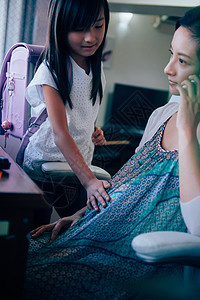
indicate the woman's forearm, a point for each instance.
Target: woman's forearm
{"x":189,"y":167}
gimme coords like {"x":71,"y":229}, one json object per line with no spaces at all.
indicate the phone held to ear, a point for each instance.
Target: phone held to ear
{"x":194,"y":84}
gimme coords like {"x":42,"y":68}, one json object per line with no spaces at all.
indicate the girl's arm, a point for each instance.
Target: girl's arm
{"x":188,"y":119}
{"x":59,"y":225}
{"x":64,"y":141}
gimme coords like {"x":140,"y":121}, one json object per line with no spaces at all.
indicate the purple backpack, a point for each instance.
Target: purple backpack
{"x":16,"y":73}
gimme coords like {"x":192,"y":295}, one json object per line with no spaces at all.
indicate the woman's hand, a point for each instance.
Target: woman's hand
{"x":188,"y":116}
{"x":96,"y":192}
{"x":55,"y":227}
{"x":97,"y":137}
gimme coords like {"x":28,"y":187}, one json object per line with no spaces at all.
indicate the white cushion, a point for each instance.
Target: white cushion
{"x":162,"y":244}
{"x":60,"y":169}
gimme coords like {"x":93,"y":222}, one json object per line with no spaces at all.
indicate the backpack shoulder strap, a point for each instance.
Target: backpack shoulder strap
{"x":69,"y":73}
{"x":33,"y":127}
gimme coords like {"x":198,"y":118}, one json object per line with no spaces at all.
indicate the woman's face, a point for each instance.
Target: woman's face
{"x":84,"y":43}
{"x":183,"y":60}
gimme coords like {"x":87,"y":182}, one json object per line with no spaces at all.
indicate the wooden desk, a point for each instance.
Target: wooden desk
{"x":19,"y":196}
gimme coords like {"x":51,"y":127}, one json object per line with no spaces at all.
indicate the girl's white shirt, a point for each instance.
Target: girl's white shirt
{"x":191,"y":209}
{"x":81,"y":119}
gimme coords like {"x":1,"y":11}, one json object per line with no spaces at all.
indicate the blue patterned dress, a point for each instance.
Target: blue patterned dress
{"x":93,"y":259}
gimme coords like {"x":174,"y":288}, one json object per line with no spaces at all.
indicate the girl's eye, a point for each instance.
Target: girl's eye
{"x":78,"y":29}
{"x":99,"y":26}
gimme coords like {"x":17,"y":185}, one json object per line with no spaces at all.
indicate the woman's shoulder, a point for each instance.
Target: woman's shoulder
{"x":162,"y":113}
{"x":156,"y":119}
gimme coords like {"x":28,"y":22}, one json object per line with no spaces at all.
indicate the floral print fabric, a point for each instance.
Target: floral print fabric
{"x":93,"y":259}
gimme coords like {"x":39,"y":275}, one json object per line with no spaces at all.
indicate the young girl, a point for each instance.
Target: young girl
{"x":70,"y":82}
{"x":93,"y":259}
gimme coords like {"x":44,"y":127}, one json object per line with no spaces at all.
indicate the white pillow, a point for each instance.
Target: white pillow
{"x":164,"y":244}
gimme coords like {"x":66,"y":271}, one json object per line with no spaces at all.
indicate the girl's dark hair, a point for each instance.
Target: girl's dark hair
{"x":191,"y":21}
{"x":66,"y":16}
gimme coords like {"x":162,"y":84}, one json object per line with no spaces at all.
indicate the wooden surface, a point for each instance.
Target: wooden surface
{"x":19,"y":198}
{"x":16,"y":188}
{"x":108,"y":143}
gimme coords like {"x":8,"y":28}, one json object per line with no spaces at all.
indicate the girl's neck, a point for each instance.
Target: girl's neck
{"x":83,"y":63}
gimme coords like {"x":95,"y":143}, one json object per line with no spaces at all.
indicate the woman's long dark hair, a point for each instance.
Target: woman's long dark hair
{"x":191,"y":21}
{"x":66,"y":16}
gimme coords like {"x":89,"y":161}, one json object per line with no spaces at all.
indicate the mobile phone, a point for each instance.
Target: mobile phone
{"x":194,"y":84}
{"x":4,"y":163}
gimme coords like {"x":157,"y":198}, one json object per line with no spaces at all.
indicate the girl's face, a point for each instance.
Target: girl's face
{"x":183,"y":61}
{"x":85,"y":42}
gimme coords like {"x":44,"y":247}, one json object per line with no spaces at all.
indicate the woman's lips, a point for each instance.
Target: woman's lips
{"x":172,"y":82}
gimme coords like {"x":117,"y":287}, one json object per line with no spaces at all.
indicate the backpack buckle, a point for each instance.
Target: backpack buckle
{"x":11,"y":81}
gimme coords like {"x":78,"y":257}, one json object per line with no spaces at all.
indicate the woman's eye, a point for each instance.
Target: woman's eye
{"x":182,"y":61}
{"x":170,"y":51}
